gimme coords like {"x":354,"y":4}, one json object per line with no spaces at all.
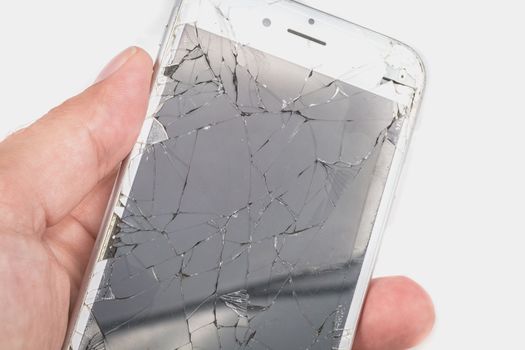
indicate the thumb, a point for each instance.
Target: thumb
{"x":49,"y":167}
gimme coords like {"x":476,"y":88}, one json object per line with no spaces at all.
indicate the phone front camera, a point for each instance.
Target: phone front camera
{"x":267,"y":22}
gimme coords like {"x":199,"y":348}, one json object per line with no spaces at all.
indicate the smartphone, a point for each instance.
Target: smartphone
{"x":250,"y":211}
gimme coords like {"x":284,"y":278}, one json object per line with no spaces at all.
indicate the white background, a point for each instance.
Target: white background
{"x":457,"y":224}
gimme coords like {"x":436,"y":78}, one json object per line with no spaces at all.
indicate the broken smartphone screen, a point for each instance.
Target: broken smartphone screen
{"x":249,"y":213}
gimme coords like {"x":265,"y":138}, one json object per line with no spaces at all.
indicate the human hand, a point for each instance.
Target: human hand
{"x":56,"y":177}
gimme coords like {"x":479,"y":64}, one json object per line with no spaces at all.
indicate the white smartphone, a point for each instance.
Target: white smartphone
{"x":250,"y":212}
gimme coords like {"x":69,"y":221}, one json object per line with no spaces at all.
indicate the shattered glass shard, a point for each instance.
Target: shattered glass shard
{"x":237,"y":301}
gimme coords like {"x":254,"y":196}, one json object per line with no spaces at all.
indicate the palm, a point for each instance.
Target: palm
{"x":55,"y":179}
{"x":37,"y":289}
{"x":43,"y":272}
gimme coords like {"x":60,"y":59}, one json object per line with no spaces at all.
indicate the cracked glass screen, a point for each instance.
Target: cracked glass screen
{"x":240,"y":226}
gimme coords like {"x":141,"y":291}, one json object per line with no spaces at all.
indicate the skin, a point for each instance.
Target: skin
{"x":55,"y":179}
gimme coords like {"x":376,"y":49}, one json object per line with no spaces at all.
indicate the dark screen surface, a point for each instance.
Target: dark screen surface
{"x":239,"y":229}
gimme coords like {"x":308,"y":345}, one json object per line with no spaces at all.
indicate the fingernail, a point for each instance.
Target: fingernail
{"x":116,"y":63}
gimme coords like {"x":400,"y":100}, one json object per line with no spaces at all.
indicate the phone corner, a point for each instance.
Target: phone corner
{"x":415,"y":65}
